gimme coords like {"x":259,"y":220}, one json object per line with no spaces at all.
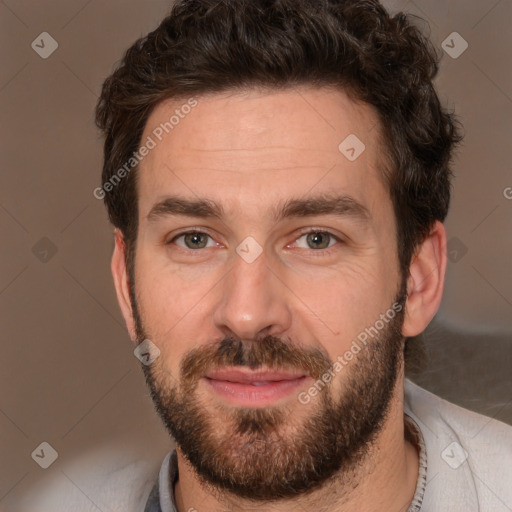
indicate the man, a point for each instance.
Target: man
{"x":278,"y":173}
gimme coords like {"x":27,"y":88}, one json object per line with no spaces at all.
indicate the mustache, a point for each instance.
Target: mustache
{"x":269,"y":352}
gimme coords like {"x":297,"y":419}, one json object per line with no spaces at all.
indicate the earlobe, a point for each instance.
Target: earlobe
{"x":120,"y":275}
{"x":425,"y":283}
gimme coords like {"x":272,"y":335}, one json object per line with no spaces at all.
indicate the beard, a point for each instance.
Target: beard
{"x":278,"y":452}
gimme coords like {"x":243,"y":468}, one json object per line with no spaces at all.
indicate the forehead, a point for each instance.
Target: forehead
{"x":255,"y":148}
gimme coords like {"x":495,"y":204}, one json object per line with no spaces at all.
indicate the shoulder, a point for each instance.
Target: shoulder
{"x":106,"y":477}
{"x":464,"y":449}
{"x":443,"y":414}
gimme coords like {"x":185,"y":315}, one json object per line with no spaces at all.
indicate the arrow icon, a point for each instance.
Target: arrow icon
{"x":454,"y":45}
{"x":456,"y":249}
{"x":454,"y":455}
{"x":249,"y":249}
{"x":44,"y":250}
{"x":146,"y":352}
{"x":44,"y":455}
{"x":44,"y":45}
{"x":351,"y":147}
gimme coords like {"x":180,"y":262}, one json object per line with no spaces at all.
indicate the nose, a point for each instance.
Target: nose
{"x":252,"y":301}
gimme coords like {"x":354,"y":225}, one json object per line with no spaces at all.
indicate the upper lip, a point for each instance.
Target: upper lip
{"x":247,"y":376}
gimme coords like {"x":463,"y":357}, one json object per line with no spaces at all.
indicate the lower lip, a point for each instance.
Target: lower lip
{"x":251,"y":396}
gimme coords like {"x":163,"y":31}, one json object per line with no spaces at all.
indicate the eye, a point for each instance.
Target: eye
{"x":193,"y":240}
{"x":317,"y":240}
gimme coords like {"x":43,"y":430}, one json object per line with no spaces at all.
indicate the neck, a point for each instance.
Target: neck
{"x":385,"y":480}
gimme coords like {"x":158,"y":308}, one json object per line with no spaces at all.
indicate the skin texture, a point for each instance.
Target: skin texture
{"x":250,"y":152}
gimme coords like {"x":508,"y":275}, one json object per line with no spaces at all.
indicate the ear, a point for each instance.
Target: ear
{"x":120,"y":275}
{"x":425,"y":283}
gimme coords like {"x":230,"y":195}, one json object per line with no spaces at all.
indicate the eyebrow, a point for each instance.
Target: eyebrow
{"x":326,"y":204}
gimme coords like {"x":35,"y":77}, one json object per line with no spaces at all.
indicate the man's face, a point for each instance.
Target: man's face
{"x":276,"y":280}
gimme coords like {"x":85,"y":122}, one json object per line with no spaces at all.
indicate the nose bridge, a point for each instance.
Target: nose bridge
{"x":252,"y":299}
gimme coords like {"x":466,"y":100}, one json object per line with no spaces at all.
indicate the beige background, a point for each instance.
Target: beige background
{"x":68,"y":374}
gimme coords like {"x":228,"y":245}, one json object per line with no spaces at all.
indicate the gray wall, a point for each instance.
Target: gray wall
{"x":67,"y":371}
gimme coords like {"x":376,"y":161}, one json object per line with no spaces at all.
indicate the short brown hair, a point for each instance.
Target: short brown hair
{"x":206,"y":46}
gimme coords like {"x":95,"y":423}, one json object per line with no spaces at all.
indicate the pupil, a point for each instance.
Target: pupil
{"x":195,"y":240}
{"x":316,"y":238}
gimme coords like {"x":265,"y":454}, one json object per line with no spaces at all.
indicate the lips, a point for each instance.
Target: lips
{"x":253,"y":388}
{"x":252,"y":377}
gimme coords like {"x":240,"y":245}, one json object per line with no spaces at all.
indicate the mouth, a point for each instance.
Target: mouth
{"x":253,"y":388}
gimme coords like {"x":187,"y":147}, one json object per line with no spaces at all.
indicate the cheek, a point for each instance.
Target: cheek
{"x":337,"y":303}
{"x":167,"y":290}
{"x":173,"y":306}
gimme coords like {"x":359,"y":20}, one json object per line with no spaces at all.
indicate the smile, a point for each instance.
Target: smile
{"x":253,"y":388}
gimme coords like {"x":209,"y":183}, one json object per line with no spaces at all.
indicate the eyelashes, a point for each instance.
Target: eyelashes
{"x":196,"y":240}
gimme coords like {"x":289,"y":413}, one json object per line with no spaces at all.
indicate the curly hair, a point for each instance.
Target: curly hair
{"x":206,"y":46}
